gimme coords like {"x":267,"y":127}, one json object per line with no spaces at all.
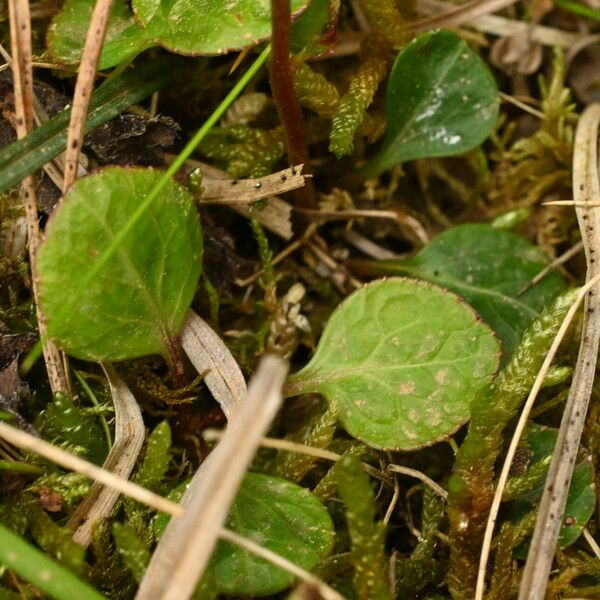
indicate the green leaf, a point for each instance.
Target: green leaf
{"x":401,"y":361}
{"x":35,"y":567}
{"x":487,"y":267}
{"x":310,"y":32}
{"x":211,"y":27}
{"x":157,"y":457}
{"x":124,"y":37}
{"x":63,"y":421}
{"x":160,"y":519}
{"x":280,"y":516}
{"x":133,"y":552}
{"x":581,"y":500}
{"x":442,"y":100}
{"x":136,"y":304}
{"x":183,"y":26}
{"x":25,"y":156}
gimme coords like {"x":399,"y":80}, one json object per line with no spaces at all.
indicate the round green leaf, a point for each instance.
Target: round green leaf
{"x":278,"y":515}
{"x":209,"y":27}
{"x":441,"y":100}
{"x":488,"y":267}
{"x":136,"y":304}
{"x":401,"y":360}
{"x":124,"y":37}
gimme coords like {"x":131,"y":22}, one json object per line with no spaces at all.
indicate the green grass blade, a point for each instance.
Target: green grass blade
{"x":31,"y":564}
{"x":25,"y":156}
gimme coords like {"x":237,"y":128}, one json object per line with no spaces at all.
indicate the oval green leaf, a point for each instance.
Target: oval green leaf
{"x":210,"y":27}
{"x":400,"y":361}
{"x":488,"y":267}
{"x":280,"y":516}
{"x":136,"y":304}
{"x":124,"y":37}
{"x":441,"y":100}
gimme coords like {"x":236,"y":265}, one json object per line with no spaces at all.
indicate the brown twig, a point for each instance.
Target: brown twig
{"x":285,"y":97}
{"x":20,"y":28}
{"x":84,"y":86}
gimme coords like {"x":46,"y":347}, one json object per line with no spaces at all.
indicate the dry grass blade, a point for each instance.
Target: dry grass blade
{"x":586,"y":188}
{"x":457,"y":15}
{"x":129,"y":437}
{"x":26,"y":441}
{"x":84,"y":87}
{"x":187,"y":544}
{"x":501,"y":26}
{"x":438,"y":489}
{"x":208,"y":352}
{"x":20,"y":28}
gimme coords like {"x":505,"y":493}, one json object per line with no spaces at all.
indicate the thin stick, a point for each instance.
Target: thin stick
{"x":20,"y":27}
{"x":514,"y":443}
{"x":586,"y":187}
{"x":512,"y":100}
{"x":438,"y":489}
{"x":283,"y":254}
{"x":26,"y":441}
{"x":591,"y":541}
{"x":500,"y":26}
{"x":461,"y":14}
{"x":557,"y":262}
{"x":570,"y":203}
{"x":84,"y":87}
{"x":326,"y":592}
{"x":212,"y":435}
{"x":187,"y":543}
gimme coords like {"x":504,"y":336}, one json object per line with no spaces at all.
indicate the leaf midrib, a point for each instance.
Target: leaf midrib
{"x":164,"y":329}
{"x":309,"y":383}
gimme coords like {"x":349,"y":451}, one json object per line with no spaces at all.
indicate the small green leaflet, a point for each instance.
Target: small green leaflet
{"x":488,"y":267}
{"x":124,"y":37}
{"x":400,"y":361}
{"x":136,"y":304}
{"x":183,"y":26}
{"x":581,"y":501}
{"x":280,"y":516}
{"x":441,"y":100}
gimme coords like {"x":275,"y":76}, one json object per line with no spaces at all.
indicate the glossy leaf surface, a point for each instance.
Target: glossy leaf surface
{"x":441,"y":100}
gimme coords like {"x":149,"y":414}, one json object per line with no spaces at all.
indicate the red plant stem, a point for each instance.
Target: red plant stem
{"x":284,"y":94}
